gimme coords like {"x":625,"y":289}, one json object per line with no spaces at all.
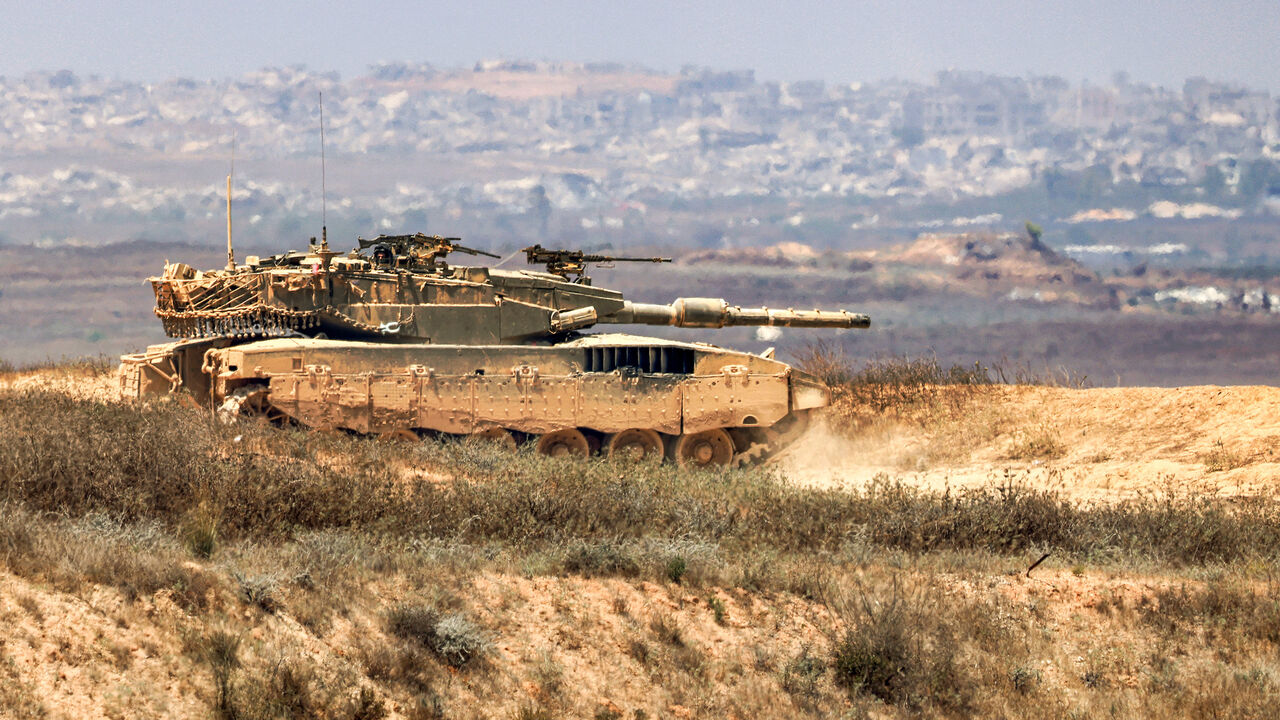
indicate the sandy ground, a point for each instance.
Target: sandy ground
{"x":1113,"y":443}
{"x":92,"y":654}
{"x":86,"y":385}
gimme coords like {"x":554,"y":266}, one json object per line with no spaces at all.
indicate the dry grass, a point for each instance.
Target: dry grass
{"x":128,"y":467}
{"x":1221,"y":459}
{"x":1037,"y":443}
{"x":951,"y":406}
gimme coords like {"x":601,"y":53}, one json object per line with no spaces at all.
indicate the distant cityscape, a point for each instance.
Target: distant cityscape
{"x":621,"y":154}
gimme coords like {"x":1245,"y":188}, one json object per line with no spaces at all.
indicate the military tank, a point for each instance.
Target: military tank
{"x":391,"y":339}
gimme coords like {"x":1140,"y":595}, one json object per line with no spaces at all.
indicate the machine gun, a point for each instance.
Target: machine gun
{"x":574,"y":262}
{"x":417,"y":250}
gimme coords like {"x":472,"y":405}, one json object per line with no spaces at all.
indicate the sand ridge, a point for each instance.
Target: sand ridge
{"x":1113,"y":443}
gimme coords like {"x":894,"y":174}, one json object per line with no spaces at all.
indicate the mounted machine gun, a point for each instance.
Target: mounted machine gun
{"x":574,"y":262}
{"x":417,"y":251}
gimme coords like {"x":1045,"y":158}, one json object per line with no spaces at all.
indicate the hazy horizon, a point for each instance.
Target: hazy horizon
{"x":1162,"y":42}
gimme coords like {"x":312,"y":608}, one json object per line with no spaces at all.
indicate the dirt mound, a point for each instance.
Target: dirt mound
{"x":783,"y":254}
{"x":1096,"y":444}
{"x":987,"y":262}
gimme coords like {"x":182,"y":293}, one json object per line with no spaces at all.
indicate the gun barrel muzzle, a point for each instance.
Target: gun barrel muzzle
{"x":717,"y":313}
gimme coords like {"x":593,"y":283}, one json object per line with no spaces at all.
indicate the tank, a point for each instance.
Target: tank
{"x":391,"y":339}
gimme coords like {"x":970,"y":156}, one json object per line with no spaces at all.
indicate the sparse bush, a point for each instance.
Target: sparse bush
{"x":200,"y":532}
{"x":459,"y":641}
{"x":887,"y":384}
{"x":639,"y":651}
{"x":452,"y":637}
{"x":718,"y":609}
{"x":666,"y":629}
{"x":896,"y":649}
{"x":530,"y":711}
{"x":150,"y":467}
{"x":18,"y":699}
{"x":367,"y":706}
{"x":600,"y":559}
{"x":906,"y":387}
{"x":1040,"y":443}
{"x":1219,"y":603}
{"x":137,"y":558}
{"x":221,"y":649}
{"x":548,"y":674}
{"x":1220,"y":459}
{"x":75,"y":456}
{"x":413,"y":622}
{"x":676,"y":568}
{"x":1024,"y":680}
{"x":430,"y":707}
{"x":802,"y":673}
{"x":262,"y":591}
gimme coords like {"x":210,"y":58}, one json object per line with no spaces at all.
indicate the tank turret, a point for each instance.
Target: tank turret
{"x":392,"y":338}
{"x":400,"y":288}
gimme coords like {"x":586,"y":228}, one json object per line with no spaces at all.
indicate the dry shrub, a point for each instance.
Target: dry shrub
{"x":261,"y":591}
{"x":139,"y":559}
{"x":600,"y":559}
{"x":1220,"y":459}
{"x":915,"y":389}
{"x":221,"y":650}
{"x":1230,"y":606}
{"x":901,"y":386}
{"x":150,"y":467}
{"x":1039,"y":443}
{"x":289,"y":687}
{"x":453,"y":637}
{"x":86,"y":366}
{"x":899,"y":648}
{"x":802,"y":675}
{"x":74,"y":456}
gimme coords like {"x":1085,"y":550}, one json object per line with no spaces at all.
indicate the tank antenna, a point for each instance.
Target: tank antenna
{"x":324,"y":220}
{"x":231,"y":255}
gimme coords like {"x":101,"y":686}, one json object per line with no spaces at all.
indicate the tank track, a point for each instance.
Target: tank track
{"x":765,"y":446}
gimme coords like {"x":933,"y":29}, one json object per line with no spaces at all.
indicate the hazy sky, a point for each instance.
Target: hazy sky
{"x":1162,"y":41}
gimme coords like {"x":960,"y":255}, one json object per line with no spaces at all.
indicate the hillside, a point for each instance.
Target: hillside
{"x":1089,"y":444}
{"x":157,"y":563}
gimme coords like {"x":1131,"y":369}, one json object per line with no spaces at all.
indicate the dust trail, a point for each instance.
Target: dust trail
{"x":828,"y":458}
{"x":98,"y":387}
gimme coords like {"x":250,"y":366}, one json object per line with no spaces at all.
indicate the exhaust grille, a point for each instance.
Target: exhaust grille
{"x":660,"y":359}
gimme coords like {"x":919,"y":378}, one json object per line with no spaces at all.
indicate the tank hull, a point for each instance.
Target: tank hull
{"x":598,"y":385}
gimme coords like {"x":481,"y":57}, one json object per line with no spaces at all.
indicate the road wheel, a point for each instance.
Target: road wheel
{"x":707,"y":449}
{"x":496,"y":435}
{"x":636,"y":443}
{"x":252,"y":401}
{"x":569,"y":442}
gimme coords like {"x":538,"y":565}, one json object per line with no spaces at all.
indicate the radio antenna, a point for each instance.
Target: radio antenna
{"x":231,"y":256}
{"x":324,"y":219}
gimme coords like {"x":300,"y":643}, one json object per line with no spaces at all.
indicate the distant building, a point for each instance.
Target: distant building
{"x":974,"y":104}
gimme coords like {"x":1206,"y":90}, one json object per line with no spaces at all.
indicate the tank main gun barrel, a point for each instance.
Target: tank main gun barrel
{"x":717,"y":313}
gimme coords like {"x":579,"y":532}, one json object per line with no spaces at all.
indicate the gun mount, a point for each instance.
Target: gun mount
{"x":416,"y":251}
{"x":574,"y":262}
